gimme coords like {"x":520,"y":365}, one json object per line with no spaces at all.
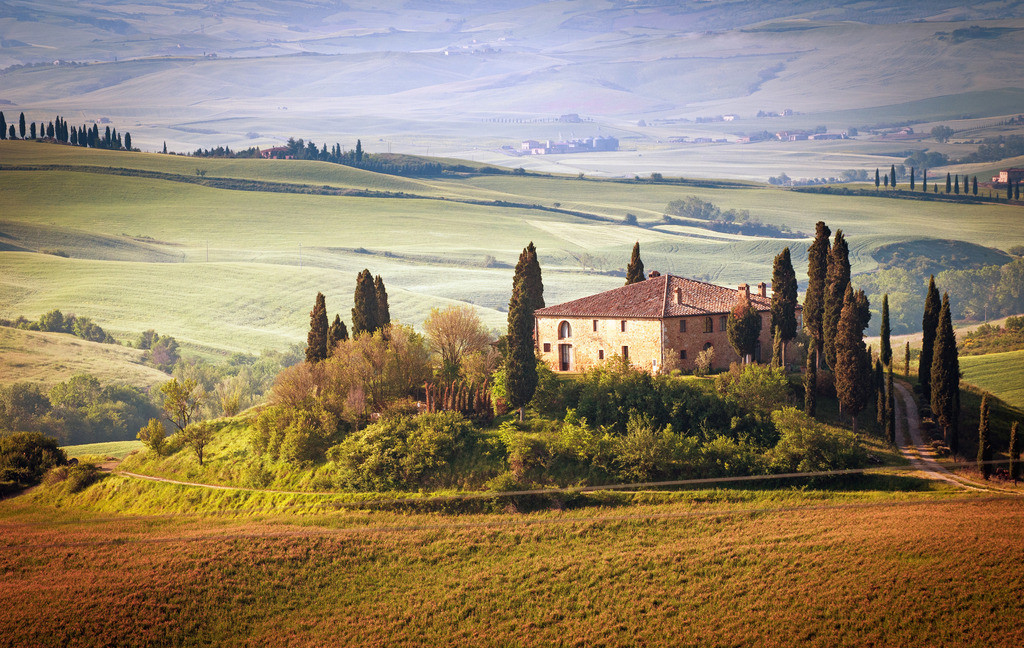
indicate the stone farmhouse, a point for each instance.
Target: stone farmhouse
{"x":1008,"y":176}
{"x":658,"y":325}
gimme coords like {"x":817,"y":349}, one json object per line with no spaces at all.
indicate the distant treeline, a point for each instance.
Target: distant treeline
{"x":59,"y":131}
{"x":57,"y":322}
{"x":729,"y":221}
{"x":388,"y":163}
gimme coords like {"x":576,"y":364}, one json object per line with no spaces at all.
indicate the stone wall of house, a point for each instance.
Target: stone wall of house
{"x":641,"y":336}
{"x":695,"y":339}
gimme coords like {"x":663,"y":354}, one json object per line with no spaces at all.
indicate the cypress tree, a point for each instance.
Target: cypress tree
{"x":892,"y":176}
{"x":974,"y":185}
{"x":1014,"y":453}
{"x":128,"y":141}
{"x":877,"y":179}
{"x":924,"y":181}
{"x":906,"y":359}
{"x":784,"y":301}
{"x":316,"y":340}
{"x":810,"y":385}
{"x":383,"y":309}
{"x":949,"y":181}
{"x":32,"y":130}
{"x":890,"y":408}
{"x":50,"y":132}
{"x":945,"y":379}
{"x":885,"y":347}
{"x":528,"y":267}
{"x":359,"y":150}
{"x":165,"y":147}
{"x":911,"y":178}
{"x":3,"y":126}
{"x":853,"y":366}
{"x":635,"y":269}
{"x":21,"y":125}
{"x":886,"y":180}
{"x":879,"y":394}
{"x":364,"y":310}
{"x":814,"y":298}
{"x":337,"y":333}
{"x":984,"y":439}
{"x":930,"y":320}
{"x":10,"y":132}
{"x":778,"y":354}
{"x":743,"y":325}
{"x":837,"y":280}
{"x":521,"y":361}
{"x":956,"y":184}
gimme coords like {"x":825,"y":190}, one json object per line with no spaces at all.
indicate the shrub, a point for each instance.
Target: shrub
{"x":299,"y":435}
{"x":154,"y":436}
{"x":26,"y":456}
{"x":806,"y":445}
{"x":755,"y":388}
{"x":647,"y":453}
{"x":82,"y":476}
{"x":702,"y":363}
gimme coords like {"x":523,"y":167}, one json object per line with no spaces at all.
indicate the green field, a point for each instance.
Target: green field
{"x":227,"y":270}
{"x":999,"y":373}
{"x":116,"y":449}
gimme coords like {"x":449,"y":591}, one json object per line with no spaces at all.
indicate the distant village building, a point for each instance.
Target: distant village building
{"x":657,"y":325}
{"x":1009,"y":176}
{"x":585,"y":145}
{"x":276,"y":153}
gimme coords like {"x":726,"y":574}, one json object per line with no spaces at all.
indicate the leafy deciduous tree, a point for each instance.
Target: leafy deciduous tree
{"x":455,"y":333}
{"x":182,"y":401}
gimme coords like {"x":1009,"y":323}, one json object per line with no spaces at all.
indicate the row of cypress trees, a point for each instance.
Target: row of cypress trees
{"x":371,"y":313}
{"x":59,"y":130}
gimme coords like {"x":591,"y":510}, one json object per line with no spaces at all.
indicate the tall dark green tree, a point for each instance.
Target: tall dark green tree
{"x":814,"y":298}
{"x":853,"y":365}
{"x":316,"y":339}
{"x":128,"y":141}
{"x":949,"y":183}
{"x":837,"y":280}
{"x":364,"y":309}
{"x":984,"y":439}
{"x":635,"y":269}
{"x":521,"y":360}
{"x":1015,"y":443}
{"x":929,"y":322}
{"x":3,"y":126}
{"x":10,"y":132}
{"x":885,"y":346}
{"x":337,"y":333}
{"x":743,"y":326}
{"x":32,"y":130}
{"x":383,"y":309}
{"x":890,"y":407}
{"x":21,"y":125}
{"x":911,"y":178}
{"x":359,"y":150}
{"x":810,"y":386}
{"x":956,"y":184}
{"x":784,"y":300}
{"x":945,"y":380}
{"x":892,"y":176}
{"x":878,"y":179}
{"x":974,"y":185}
{"x":924,"y":180}
{"x":528,"y":267}
{"x":879,"y":393}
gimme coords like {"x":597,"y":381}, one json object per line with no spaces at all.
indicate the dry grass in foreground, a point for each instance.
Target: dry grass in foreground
{"x":922,"y":571}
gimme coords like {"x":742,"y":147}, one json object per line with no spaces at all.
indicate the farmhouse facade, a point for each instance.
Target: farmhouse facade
{"x":658,"y":325}
{"x":1009,"y":176}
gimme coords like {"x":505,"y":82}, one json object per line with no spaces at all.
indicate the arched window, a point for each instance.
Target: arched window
{"x":708,"y":345}
{"x":709,"y":325}
{"x":564,"y":330}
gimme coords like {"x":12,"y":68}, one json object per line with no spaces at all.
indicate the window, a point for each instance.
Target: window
{"x":547,"y":347}
{"x":709,"y":325}
{"x":622,"y":326}
{"x":708,"y":345}
{"x":600,"y":354}
{"x":625,"y":353}
{"x":564,"y":330}
{"x":722,"y":322}
{"x":595,"y":325}
{"x":682,"y":354}
{"x":682,"y":326}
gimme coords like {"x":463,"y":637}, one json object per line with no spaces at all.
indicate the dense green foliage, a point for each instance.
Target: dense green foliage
{"x":929,"y":322}
{"x":784,"y":298}
{"x":365,"y":318}
{"x":79,"y":410}
{"x":984,"y":439}
{"x":853,"y":364}
{"x":635,"y":268}
{"x":814,"y":298}
{"x":25,"y":457}
{"x":56,"y":322}
{"x":885,"y":345}
{"x":318,"y":338}
{"x":837,"y":279}
{"x":743,"y":325}
{"x":945,"y":378}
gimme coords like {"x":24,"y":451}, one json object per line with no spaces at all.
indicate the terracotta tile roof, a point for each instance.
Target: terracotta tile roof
{"x":656,"y":298}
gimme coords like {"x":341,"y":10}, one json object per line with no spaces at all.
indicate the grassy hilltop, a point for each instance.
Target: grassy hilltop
{"x":236,"y":270}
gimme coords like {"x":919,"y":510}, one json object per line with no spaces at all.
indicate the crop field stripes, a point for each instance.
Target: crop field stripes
{"x":508,"y":522}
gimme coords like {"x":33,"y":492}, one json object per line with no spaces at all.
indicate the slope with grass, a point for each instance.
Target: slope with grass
{"x":50,"y":358}
{"x":999,"y":373}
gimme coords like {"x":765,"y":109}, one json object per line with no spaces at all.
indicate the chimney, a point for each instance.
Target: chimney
{"x":744,"y":291}
{"x":762,"y":289}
